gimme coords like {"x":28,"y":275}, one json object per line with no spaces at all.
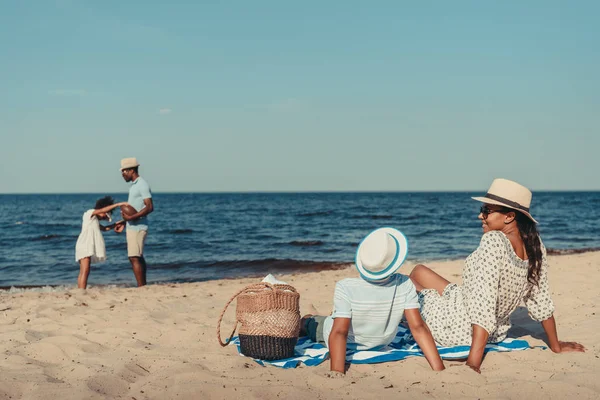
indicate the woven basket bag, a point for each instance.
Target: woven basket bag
{"x":270,"y":320}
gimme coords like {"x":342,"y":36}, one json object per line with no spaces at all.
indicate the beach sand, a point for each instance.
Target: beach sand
{"x":159,"y":342}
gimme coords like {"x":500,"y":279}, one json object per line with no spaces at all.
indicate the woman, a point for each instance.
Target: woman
{"x":508,"y":267}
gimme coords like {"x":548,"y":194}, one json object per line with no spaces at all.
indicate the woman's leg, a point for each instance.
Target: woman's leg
{"x":84,"y":272}
{"x":424,"y":278}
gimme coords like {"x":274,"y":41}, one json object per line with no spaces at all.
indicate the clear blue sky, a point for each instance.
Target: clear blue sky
{"x":299,"y":96}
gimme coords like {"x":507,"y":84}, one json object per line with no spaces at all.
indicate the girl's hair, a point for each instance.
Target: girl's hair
{"x":533,"y":246}
{"x":104,"y":202}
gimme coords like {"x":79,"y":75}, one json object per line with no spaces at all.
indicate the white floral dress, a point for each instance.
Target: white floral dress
{"x":494,"y":284}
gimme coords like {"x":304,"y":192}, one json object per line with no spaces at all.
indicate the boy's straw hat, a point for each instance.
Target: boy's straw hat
{"x":381,"y":253}
{"x":129,"y":163}
{"x":508,"y":194}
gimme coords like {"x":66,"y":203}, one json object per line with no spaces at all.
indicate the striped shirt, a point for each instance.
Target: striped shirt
{"x":375,"y":309}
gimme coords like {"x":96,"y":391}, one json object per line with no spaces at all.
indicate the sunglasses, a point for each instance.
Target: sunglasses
{"x":485,"y":211}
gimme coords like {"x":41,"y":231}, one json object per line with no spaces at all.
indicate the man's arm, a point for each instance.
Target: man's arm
{"x":148,"y":208}
{"x":337,"y":344}
{"x":422,"y":335}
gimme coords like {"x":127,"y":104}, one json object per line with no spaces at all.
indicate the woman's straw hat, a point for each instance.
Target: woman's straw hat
{"x":381,"y":253}
{"x":508,"y":194}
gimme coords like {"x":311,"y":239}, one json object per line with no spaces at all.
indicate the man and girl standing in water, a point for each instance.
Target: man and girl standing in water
{"x":90,"y":248}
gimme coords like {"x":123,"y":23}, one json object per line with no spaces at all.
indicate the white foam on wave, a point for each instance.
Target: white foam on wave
{"x":56,"y":289}
{"x":41,"y":289}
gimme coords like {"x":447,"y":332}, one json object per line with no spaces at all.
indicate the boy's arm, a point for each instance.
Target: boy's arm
{"x":337,"y":344}
{"x":422,"y":335}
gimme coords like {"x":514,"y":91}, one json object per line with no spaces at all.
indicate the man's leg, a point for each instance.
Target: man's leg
{"x":135,"y":251}
{"x":138,"y":264}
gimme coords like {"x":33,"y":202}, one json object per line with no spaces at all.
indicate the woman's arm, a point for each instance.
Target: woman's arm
{"x":337,"y":344}
{"x":480,"y":337}
{"x":541,"y":308}
{"x":108,"y":208}
{"x":481,"y":285}
{"x":422,"y":335}
{"x":556,"y":345}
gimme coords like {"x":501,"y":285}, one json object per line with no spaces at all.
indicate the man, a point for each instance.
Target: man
{"x":140,"y":198}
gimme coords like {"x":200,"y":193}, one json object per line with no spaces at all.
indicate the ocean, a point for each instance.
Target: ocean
{"x":199,"y":236}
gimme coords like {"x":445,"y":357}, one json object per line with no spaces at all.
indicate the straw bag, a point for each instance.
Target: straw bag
{"x":270,"y":320}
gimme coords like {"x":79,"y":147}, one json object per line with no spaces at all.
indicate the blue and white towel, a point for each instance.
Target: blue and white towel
{"x":310,"y":353}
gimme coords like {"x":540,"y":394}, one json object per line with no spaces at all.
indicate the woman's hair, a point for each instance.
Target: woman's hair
{"x":533,"y":246}
{"x":104,"y":202}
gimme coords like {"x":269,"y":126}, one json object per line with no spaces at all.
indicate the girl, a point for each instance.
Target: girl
{"x":90,"y":244}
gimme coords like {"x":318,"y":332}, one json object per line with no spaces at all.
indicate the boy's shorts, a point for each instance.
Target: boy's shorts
{"x":314,"y":328}
{"x":135,"y":243}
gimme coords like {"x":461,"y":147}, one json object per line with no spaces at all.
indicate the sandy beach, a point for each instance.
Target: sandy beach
{"x":159,"y":342}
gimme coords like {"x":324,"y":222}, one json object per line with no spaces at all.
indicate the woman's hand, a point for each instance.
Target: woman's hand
{"x":556,"y":345}
{"x":568,"y":347}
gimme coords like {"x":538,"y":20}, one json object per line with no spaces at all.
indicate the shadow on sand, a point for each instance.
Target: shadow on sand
{"x":523,"y":325}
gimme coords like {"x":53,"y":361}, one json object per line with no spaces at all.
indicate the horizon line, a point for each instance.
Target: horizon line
{"x":299,"y":192}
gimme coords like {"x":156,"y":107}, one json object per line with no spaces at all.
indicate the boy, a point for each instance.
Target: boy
{"x":368,"y":310}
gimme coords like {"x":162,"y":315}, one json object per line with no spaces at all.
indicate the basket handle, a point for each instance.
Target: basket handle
{"x":253,"y":286}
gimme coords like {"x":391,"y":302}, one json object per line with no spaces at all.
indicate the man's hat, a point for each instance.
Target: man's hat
{"x":129,"y":163}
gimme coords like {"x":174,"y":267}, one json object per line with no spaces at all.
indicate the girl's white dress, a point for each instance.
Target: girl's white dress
{"x":90,"y":242}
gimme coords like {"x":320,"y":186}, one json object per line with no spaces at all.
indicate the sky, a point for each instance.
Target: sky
{"x":299,"y":96}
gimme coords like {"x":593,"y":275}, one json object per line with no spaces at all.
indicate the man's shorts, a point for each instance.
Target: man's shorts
{"x":135,"y":243}
{"x":314,"y":328}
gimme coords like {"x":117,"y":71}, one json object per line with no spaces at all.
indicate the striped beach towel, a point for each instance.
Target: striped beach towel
{"x":310,"y":353}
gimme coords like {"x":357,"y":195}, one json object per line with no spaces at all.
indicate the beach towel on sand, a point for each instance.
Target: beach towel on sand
{"x":310,"y":353}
